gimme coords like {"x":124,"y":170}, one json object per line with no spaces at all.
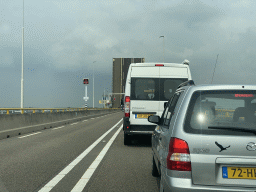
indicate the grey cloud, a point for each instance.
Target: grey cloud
{"x":236,"y":61}
{"x":71,"y":54}
{"x":195,"y":13}
{"x":128,"y":25}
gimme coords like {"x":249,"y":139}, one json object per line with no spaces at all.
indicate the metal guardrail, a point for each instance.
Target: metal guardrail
{"x":8,"y":111}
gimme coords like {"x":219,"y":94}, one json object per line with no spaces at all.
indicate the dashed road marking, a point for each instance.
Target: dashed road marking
{"x":30,"y":135}
{"x":58,"y":127}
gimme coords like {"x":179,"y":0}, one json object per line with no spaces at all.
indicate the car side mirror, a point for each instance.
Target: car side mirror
{"x":165,"y":104}
{"x":154,"y":119}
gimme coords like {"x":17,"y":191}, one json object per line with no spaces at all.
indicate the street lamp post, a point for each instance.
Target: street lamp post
{"x":93,"y":86}
{"x":22,"y":67}
{"x":104,"y":100}
{"x":163,"y":47}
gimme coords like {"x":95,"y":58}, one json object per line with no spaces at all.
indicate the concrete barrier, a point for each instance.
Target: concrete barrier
{"x":18,"y":124}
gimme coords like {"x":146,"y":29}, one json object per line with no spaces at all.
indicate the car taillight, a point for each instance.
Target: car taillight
{"x":127,"y":107}
{"x":159,"y":65}
{"x":178,"y":157}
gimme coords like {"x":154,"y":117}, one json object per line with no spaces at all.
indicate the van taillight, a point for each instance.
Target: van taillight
{"x":127,"y":107}
{"x":178,"y":157}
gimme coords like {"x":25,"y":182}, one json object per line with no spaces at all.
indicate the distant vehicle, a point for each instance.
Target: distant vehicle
{"x":148,"y":86}
{"x":122,"y":104}
{"x":3,"y":112}
{"x":205,"y":139}
{"x":17,"y":111}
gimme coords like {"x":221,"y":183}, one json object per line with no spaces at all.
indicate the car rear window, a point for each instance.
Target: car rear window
{"x":217,"y":112}
{"x":155,"y":89}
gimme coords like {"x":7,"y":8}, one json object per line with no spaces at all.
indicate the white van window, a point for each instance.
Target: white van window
{"x":145,"y":88}
{"x":156,"y":89}
{"x":170,"y":86}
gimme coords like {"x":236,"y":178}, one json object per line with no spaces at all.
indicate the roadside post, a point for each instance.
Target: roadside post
{"x":86,"y":82}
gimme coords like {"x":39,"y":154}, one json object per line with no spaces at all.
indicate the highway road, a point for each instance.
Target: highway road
{"x":85,"y":156}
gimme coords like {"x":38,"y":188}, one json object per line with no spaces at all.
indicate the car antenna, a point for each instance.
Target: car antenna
{"x":215,"y":67}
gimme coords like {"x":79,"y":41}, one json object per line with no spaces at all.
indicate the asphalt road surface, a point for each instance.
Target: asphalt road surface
{"x":84,"y":156}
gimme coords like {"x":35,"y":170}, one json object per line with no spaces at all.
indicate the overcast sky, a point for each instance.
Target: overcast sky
{"x":64,"y":37}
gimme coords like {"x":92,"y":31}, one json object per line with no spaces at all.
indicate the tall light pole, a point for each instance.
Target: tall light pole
{"x":163,"y":47}
{"x":22,"y":80}
{"x":93,"y":86}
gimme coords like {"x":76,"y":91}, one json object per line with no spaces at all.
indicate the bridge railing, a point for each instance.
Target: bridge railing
{"x":45,"y":110}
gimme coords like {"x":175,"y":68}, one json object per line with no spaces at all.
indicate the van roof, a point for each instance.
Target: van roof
{"x":154,"y":63}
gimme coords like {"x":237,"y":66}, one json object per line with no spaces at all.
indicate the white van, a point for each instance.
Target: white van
{"x":148,"y":86}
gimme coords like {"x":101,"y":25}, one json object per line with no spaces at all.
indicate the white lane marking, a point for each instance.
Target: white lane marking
{"x":85,"y":120}
{"x":30,"y":135}
{"x":66,"y":170}
{"x":58,"y":127}
{"x":74,"y":123}
{"x":89,"y":172}
{"x":92,"y":118}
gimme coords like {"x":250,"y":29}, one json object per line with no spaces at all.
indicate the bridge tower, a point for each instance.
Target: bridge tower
{"x":119,"y":73}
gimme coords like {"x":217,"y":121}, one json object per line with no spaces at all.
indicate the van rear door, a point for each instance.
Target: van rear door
{"x":150,"y":88}
{"x":144,"y":94}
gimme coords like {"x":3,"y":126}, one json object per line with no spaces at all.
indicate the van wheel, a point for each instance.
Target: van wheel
{"x":155,"y":172}
{"x":127,"y":140}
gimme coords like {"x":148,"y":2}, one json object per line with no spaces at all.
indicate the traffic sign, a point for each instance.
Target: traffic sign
{"x":86,"y":81}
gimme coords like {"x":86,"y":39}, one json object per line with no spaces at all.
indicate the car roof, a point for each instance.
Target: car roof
{"x":219,"y":87}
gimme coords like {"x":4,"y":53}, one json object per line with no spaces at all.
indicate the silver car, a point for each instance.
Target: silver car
{"x":205,"y":139}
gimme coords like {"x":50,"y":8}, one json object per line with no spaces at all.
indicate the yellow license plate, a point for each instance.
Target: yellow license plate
{"x":239,"y":172}
{"x":142,"y":116}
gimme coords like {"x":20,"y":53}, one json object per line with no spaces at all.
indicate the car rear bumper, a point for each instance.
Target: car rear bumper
{"x":173,"y":184}
{"x":139,"y":132}
{"x":139,"y":129}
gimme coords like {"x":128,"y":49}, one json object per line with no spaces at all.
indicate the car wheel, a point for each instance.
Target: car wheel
{"x":155,"y":172}
{"x":126,"y":139}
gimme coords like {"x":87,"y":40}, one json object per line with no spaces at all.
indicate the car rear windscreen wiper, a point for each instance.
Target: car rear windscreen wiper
{"x":234,"y":129}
